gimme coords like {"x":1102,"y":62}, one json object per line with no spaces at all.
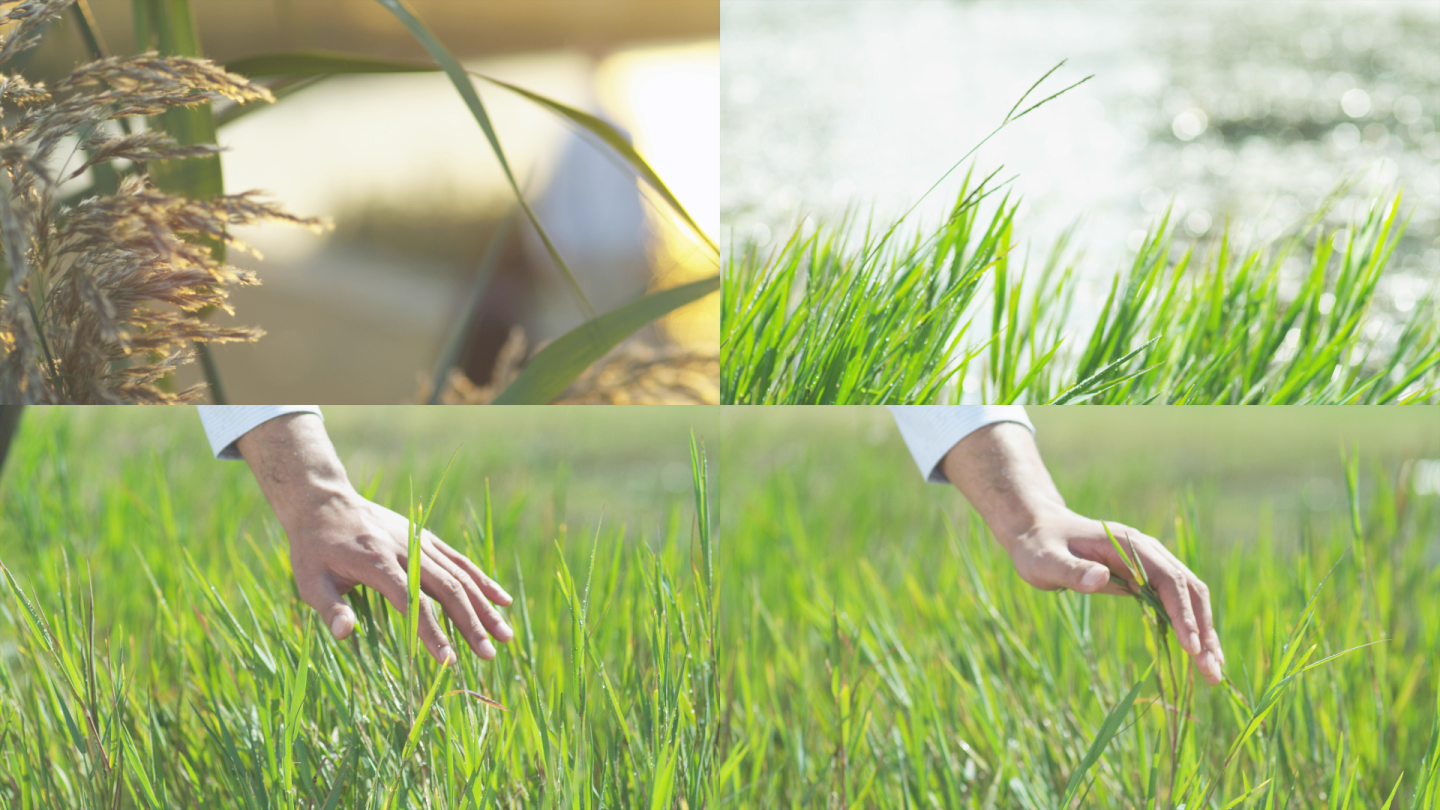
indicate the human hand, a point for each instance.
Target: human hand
{"x":338,"y":540}
{"x":1065,"y":550}
{"x":346,"y":541}
{"x":998,"y":468}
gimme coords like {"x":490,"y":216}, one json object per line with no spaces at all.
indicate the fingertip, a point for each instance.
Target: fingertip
{"x":486,"y":650}
{"x":493,"y":590}
{"x":342,"y":625}
{"x":1210,"y":668}
{"x":1192,"y":643}
{"x":446,"y":656}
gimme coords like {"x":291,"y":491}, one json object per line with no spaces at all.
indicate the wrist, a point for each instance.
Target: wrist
{"x":308,"y":498}
{"x":297,"y":467}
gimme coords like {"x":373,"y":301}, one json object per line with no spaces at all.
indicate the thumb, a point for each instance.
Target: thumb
{"x":326,"y":600}
{"x":1085,"y":576}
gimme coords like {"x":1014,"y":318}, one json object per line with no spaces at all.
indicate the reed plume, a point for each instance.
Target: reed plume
{"x":103,"y":299}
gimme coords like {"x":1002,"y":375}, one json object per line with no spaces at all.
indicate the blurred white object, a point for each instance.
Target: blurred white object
{"x":592,"y":211}
{"x":1427,"y":476}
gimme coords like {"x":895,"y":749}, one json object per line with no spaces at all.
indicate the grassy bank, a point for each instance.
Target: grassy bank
{"x":159,"y":656}
{"x":854,"y":313}
{"x":846,"y":637}
{"x":900,"y":662}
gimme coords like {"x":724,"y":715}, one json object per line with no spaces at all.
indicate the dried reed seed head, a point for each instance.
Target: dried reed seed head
{"x":28,"y":19}
{"x":138,"y":218}
{"x":16,"y":90}
{"x":101,"y":299}
{"x":124,"y":87}
{"x":140,"y":147}
{"x":171,"y":80}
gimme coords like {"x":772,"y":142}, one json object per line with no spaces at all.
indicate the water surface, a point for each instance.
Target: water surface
{"x":1237,"y":111}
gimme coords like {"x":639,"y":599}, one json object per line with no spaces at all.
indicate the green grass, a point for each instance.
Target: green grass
{"x":153,"y":652}
{"x":835,"y":634}
{"x":853,"y":312}
{"x":900,"y":662}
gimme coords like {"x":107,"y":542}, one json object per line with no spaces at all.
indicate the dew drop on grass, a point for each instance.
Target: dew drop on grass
{"x":760,"y":234}
{"x":1198,"y":223}
{"x":1355,"y":103}
{"x":1346,"y":136}
{"x":1190,"y":124}
{"x":1407,"y":109}
{"x":1339,"y":84}
{"x":1430,"y":145}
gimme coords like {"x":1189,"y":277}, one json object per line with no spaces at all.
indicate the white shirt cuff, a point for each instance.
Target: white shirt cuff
{"x":931,"y":430}
{"x":225,"y":424}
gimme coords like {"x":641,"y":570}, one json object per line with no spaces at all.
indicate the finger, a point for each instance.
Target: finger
{"x":495,"y":625}
{"x":321,"y":594}
{"x":490,"y":587}
{"x":1174,"y":590}
{"x":1079,"y":574}
{"x":1198,"y":595}
{"x":1200,"y":598}
{"x":1106,"y":555}
{"x":453,"y":597}
{"x":391,"y":580}
{"x":1163,"y":573}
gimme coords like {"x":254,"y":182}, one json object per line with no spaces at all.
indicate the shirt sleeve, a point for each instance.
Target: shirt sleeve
{"x":225,"y":424}
{"x":931,"y":430}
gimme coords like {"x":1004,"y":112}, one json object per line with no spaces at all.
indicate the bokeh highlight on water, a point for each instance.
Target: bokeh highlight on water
{"x":1233,"y":111}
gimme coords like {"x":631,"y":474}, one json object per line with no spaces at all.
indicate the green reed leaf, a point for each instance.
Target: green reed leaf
{"x":461,"y":80}
{"x":560,"y":363}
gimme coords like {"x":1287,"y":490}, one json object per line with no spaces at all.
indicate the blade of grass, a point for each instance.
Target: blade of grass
{"x":461,"y":80}
{"x":412,"y":739}
{"x":560,"y":363}
{"x":1107,"y":731}
{"x":412,"y":579}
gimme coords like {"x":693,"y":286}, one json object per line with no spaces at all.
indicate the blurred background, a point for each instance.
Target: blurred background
{"x":1275,"y":470}
{"x":1234,"y":111}
{"x":415,"y":194}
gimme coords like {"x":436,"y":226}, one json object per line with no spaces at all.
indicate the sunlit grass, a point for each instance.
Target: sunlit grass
{"x":849,"y":315}
{"x":821,"y":635}
{"x":859,"y":312}
{"x":205,"y":682}
{"x":898,"y":660}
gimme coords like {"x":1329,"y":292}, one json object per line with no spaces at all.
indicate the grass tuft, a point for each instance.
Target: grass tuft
{"x":850,"y":313}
